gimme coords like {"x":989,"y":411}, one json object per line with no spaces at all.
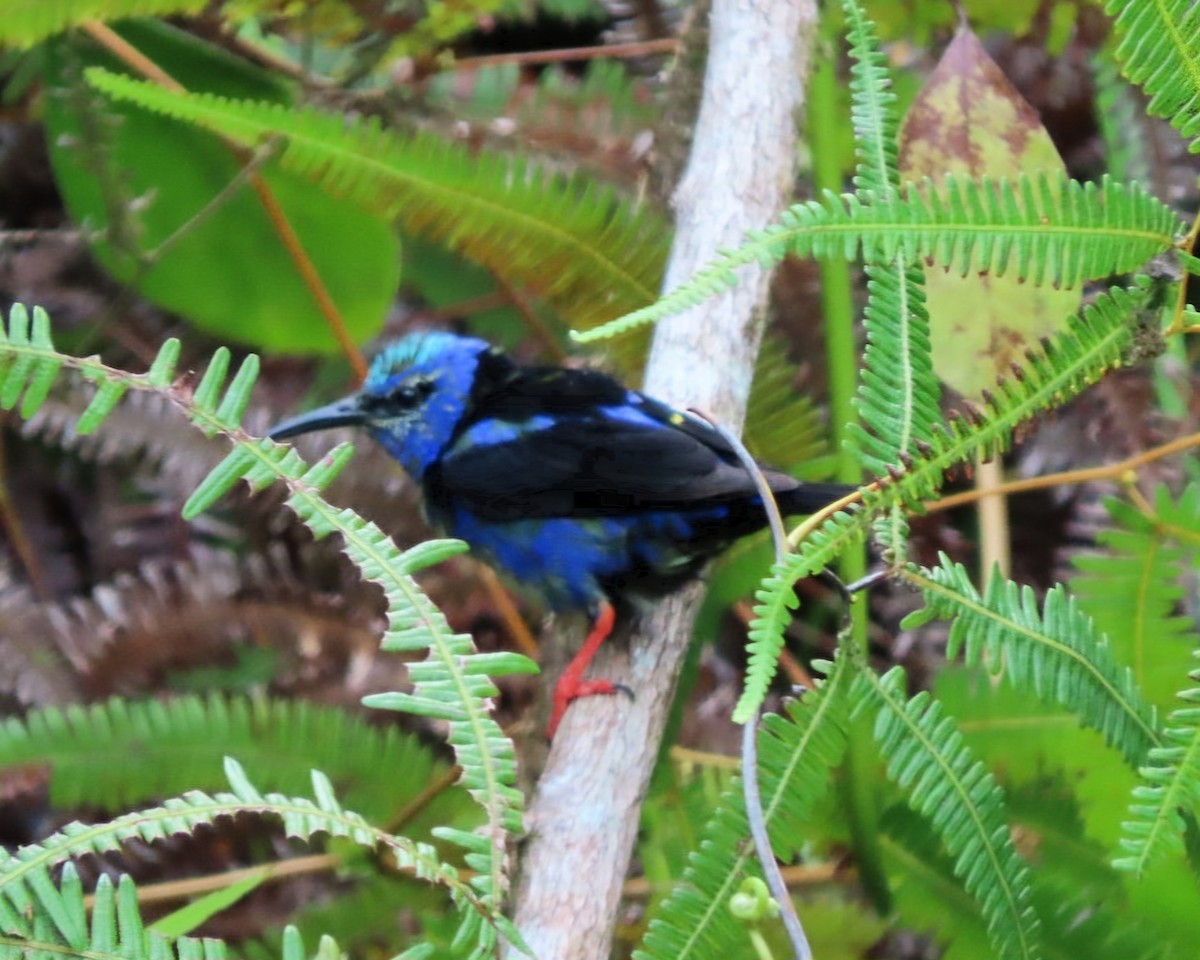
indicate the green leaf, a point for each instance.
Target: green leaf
{"x":1043,"y":230}
{"x":188,"y":918}
{"x":579,"y":246}
{"x":1056,"y":653}
{"x":943,"y":782}
{"x":137,"y":179}
{"x":219,"y":481}
{"x":107,"y":397}
{"x":24,"y":24}
{"x":1159,"y":49}
{"x":773,"y":612}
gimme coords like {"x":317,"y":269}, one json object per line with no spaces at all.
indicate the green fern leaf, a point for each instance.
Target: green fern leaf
{"x":1091,"y":345}
{"x":209,"y":389}
{"x":1159,"y":49}
{"x":163,"y":368}
{"x":1172,"y":784}
{"x":796,"y":755}
{"x":944,"y":783}
{"x":1048,"y":229}
{"x":450,"y":678}
{"x":24,"y":24}
{"x":1133,"y":589}
{"x":302,"y":818}
{"x":1056,"y":654}
{"x":579,"y":246}
{"x":116,"y":931}
{"x":773,"y":612}
{"x":31,"y":368}
{"x":872,"y":105}
{"x":116,"y":754}
{"x":898,"y":396}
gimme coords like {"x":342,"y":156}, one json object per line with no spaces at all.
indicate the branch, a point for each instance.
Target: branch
{"x":584,"y":817}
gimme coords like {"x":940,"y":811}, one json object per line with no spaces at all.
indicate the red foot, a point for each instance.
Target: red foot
{"x":571,"y":685}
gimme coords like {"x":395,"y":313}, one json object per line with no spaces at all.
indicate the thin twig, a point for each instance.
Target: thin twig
{"x":194,"y":886}
{"x":639,"y":48}
{"x":542,"y":333}
{"x":750,"y":792}
{"x":431,"y":791}
{"x":797,"y":876}
{"x":514,"y":623}
{"x":1113,"y":471}
{"x":223,"y":196}
{"x":10,"y":522}
{"x":762,"y":843}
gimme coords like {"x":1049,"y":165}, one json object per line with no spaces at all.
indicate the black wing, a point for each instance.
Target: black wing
{"x":550,"y":442}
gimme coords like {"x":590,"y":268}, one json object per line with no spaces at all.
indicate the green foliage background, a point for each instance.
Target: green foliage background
{"x":1038,"y":800}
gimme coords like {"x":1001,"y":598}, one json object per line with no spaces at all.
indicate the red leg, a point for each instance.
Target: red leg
{"x":571,"y":684}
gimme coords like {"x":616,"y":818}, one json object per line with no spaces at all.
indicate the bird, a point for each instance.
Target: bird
{"x":595,"y":496}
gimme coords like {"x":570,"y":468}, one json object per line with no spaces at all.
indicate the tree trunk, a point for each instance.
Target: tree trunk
{"x":584,"y":817}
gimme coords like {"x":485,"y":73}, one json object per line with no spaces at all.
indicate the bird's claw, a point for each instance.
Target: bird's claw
{"x":567,"y":693}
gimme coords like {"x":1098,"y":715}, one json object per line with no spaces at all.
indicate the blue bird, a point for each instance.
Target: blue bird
{"x":591,"y":494}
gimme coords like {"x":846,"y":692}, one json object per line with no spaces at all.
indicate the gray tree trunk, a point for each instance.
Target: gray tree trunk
{"x":584,"y":817}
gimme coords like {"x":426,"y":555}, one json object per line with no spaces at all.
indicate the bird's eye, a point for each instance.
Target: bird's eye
{"x":409,"y":394}
{"x":403,"y":397}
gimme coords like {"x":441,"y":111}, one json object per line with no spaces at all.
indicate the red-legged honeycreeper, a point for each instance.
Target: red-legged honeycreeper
{"x":591,"y":494}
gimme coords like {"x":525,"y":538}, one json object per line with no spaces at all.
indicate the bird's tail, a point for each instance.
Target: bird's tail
{"x":811,"y":497}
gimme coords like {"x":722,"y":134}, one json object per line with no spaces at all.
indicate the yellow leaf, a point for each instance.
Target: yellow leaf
{"x":969,"y":119}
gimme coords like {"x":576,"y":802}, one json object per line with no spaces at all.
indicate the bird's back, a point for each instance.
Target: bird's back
{"x":582,"y":488}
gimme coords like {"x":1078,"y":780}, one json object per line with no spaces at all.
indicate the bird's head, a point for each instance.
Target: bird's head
{"x":414,"y":396}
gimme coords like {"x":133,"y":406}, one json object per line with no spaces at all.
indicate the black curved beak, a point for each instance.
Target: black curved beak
{"x":341,"y":413}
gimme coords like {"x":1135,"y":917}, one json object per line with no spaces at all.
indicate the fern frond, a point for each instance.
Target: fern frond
{"x":578,"y":245}
{"x":25,"y":24}
{"x":898,"y":397}
{"x":776,"y":598}
{"x":1047,"y":229}
{"x":943,"y":782}
{"x":118,"y":753}
{"x":1057,"y":653}
{"x":1133,"y":589}
{"x":796,"y":755}
{"x":1159,"y":49}
{"x":1094,"y":343}
{"x":1172,"y":784}
{"x":783,"y":427}
{"x":898,"y":394}
{"x":872,"y":105}
{"x":452,"y":683}
{"x":33,"y":912}
{"x":61,"y":926}
{"x":772,"y":613}
{"x":302,"y":818}
{"x":1091,"y":345}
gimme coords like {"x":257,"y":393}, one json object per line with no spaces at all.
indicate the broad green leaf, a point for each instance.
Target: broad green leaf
{"x":135,"y":178}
